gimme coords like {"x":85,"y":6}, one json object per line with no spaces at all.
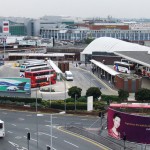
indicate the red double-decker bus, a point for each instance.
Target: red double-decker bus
{"x":41,"y":77}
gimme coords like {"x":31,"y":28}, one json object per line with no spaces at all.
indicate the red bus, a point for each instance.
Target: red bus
{"x":41,"y":77}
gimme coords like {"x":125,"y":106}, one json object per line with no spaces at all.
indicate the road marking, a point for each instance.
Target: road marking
{"x":77,"y":123}
{"x":84,"y":119}
{"x":31,"y":139}
{"x":50,"y":146}
{"x":18,"y":137}
{"x":9,"y":132}
{"x":28,"y":115}
{"x":71,"y":144}
{"x":21,"y":118}
{"x":54,"y":125}
{"x":85,"y":138}
{"x":47,"y":121}
{"x":42,"y":133}
{"x":27,"y":129}
{"x":14,"y":144}
{"x":13,"y":125}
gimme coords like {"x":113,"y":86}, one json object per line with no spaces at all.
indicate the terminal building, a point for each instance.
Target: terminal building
{"x":102,"y":53}
{"x":67,"y":29}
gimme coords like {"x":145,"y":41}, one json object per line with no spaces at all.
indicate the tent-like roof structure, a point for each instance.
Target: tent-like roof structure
{"x":108,"y":44}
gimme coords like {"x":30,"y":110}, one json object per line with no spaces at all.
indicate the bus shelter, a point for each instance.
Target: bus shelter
{"x":58,"y":71}
{"x":103,"y":71}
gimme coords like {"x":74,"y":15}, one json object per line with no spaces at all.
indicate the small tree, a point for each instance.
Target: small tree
{"x":74,"y":90}
{"x":93,"y":91}
{"x":123,"y":95}
{"x":142,"y":94}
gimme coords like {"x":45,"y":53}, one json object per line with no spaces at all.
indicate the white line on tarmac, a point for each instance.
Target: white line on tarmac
{"x":54,"y":125}
{"x":47,"y":134}
{"x":50,"y":146}
{"x":27,"y":129}
{"x":31,"y":139}
{"x":13,"y":125}
{"x":9,"y":132}
{"x":18,"y":137}
{"x":29,"y":115}
{"x":21,"y":118}
{"x":71,"y":144}
{"x":77,"y":123}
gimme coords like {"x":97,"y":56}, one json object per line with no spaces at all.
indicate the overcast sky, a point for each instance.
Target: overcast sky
{"x":78,"y":8}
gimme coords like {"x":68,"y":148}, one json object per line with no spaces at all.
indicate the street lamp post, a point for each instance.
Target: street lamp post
{"x":124,"y":139}
{"x":4,"y":44}
{"x":51,"y":115}
{"x":37,"y":116}
{"x":65,"y":94}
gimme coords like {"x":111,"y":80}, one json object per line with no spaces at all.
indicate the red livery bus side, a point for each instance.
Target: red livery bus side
{"x":41,"y":77}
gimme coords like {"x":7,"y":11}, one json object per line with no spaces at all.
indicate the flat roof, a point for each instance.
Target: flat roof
{"x":140,"y":57}
{"x":54,"y":66}
{"x":36,"y":54}
{"x":105,"y":67}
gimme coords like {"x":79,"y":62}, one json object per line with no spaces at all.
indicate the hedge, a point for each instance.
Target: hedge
{"x":20,"y":99}
{"x":110,"y":97}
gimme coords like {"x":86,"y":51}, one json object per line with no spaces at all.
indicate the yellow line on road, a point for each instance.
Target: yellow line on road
{"x":103,"y":147}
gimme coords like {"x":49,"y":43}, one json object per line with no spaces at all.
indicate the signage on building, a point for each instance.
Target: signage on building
{"x":5,"y":26}
{"x":136,"y":127}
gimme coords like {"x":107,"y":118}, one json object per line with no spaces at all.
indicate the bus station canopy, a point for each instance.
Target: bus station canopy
{"x":54,"y":66}
{"x":105,"y":67}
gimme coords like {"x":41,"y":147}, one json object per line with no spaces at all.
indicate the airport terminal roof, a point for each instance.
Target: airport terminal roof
{"x":108,"y":44}
{"x":141,"y":57}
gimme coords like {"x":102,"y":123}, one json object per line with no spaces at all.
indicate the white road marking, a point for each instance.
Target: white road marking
{"x":21,"y":118}
{"x":29,"y":115}
{"x":47,"y":121}
{"x":14,"y":144}
{"x":9,"y":132}
{"x":31,"y":139}
{"x":18,"y":137}
{"x":77,"y":123}
{"x":50,"y":146}
{"x":42,"y":133}
{"x":54,"y":125}
{"x":84,"y":119}
{"x":27,"y":129}
{"x":71,"y":144}
{"x":13,"y":125}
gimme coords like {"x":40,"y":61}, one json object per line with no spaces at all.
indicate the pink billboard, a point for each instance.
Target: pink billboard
{"x":136,"y":128}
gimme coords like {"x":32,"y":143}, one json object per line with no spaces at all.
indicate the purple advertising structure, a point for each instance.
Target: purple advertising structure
{"x":136,"y":128}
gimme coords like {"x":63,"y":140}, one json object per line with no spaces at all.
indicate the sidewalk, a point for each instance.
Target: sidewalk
{"x":110,"y":89}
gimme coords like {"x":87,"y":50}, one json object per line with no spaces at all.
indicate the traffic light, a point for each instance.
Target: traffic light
{"x":124,"y":136}
{"x":28,"y":136}
{"x":101,"y":114}
{"x":108,"y":102}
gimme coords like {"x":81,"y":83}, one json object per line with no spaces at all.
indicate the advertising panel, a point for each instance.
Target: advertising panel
{"x":5,"y":26}
{"x":22,"y":85}
{"x":90,"y":103}
{"x":136,"y":128}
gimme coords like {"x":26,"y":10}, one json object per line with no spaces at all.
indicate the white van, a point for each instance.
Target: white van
{"x":2,"y":129}
{"x":68,"y":75}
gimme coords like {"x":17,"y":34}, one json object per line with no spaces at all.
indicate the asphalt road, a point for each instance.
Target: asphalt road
{"x":17,"y":125}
